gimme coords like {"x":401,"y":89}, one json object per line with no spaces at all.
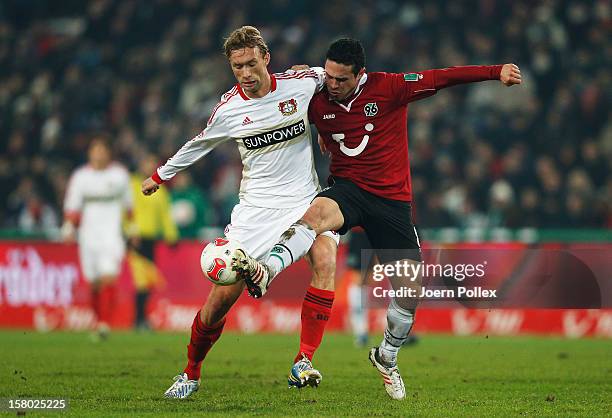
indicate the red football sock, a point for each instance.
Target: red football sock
{"x":316,"y":310}
{"x":95,"y":302}
{"x":202,"y":339}
{"x":106,"y":301}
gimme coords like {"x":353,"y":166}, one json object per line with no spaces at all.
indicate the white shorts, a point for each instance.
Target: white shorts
{"x":101,"y":259}
{"x":258,"y":229}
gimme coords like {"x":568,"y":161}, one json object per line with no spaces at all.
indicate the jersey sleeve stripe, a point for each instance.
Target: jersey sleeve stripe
{"x":225,"y":99}
{"x":298,"y":76}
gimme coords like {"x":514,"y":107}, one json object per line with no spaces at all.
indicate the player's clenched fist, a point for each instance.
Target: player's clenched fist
{"x":510,"y":75}
{"x":149,"y":186}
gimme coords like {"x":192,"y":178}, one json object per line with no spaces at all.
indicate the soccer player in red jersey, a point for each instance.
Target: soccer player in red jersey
{"x":362,"y":121}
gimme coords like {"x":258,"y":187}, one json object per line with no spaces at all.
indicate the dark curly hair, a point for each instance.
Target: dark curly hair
{"x":347,"y":51}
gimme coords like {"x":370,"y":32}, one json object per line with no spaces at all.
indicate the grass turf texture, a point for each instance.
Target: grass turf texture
{"x":245,"y":375}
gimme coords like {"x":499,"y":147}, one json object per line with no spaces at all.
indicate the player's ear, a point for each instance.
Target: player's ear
{"x":267,"y":58}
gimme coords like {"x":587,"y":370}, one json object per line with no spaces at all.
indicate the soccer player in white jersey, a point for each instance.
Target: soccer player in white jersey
{"x":96,"y":200}
{"x":267,"y":115}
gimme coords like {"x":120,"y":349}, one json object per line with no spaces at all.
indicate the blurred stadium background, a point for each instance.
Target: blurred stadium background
{"x":528,"y":168}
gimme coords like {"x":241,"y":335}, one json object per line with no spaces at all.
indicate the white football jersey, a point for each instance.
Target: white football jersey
{"x":273,"y":137}
{"x":100,"y":197}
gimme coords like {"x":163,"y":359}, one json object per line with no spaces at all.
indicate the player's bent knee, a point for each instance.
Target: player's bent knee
{"x":323,"y":215}
{"x":323,"y":259}
{"x":312,"y":217}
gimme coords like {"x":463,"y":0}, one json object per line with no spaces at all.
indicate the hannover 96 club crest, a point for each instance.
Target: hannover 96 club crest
{"x":288,"y":107}
{"x":371,"y":109}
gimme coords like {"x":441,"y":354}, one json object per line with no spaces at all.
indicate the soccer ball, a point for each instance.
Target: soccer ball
{"x":216,"y":262}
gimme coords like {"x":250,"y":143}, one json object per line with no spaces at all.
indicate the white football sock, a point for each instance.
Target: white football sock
{"x":293,"y":245}
{"x":399,"y":324}
{"x":357,"y":302}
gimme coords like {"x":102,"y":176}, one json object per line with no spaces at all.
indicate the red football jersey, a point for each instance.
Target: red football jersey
{"x":367,"y":134}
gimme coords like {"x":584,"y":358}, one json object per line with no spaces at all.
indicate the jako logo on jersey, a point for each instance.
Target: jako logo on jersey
{"x":246,"y":121}
{"x":288,"y":107}
{"x":274,"y":137}
{"x":371,"y":109}
{"x":329,"y":116}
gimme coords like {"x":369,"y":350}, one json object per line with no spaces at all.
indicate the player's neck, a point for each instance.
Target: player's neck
{"x":266,"y":86}
{"x":96,"y":165}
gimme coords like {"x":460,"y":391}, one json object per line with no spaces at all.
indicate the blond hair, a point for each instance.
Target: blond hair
{"x":245,"y":37}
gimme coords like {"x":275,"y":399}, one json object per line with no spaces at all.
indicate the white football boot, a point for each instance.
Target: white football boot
{"x":257,"y":275}
{"x":302,"y":374}
{"x":394,"y":385}
{"x":182,"y":387}
{"x":101,"y":334}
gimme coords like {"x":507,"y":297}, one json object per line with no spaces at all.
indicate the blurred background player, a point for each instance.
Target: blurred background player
{"x":97,"y":198}
{"x":191,"y":209}
{"x":359,"y":263}
{"x":357,"y":276}
{"x":153,"y":221}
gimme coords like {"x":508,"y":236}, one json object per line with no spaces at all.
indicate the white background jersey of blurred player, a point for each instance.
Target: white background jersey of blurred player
{"x":273,"y":135}
{"x":99,"y":199}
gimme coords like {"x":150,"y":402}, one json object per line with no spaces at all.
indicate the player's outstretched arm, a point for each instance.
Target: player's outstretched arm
{"x":510,"y":75}
{"x":416,"y":86}
{"x":149,"y":186}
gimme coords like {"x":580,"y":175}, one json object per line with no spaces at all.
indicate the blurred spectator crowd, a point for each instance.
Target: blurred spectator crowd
{"x":148,"y":72}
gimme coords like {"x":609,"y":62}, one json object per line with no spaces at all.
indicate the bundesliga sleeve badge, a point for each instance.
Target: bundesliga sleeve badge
{"x":413,"y":77}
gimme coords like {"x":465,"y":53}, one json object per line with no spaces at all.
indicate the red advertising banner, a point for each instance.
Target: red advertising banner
{"x":42,"y":287}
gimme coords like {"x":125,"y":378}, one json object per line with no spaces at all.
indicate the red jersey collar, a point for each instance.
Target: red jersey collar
{"x":272,"y":88}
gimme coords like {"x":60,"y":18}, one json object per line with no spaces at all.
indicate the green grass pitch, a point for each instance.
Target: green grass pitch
{"x":246,"y":375}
